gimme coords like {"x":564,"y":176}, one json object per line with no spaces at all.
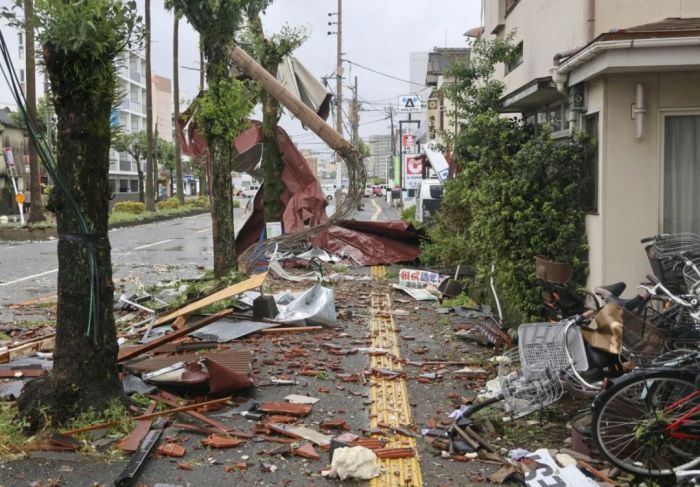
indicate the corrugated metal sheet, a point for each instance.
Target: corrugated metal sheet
{"x":235,"y":360}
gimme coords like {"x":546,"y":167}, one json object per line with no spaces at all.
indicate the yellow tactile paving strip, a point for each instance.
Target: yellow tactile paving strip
{"x":390,"y":403}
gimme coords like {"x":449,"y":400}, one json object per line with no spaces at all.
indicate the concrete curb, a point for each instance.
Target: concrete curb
{"x":33,"y":234}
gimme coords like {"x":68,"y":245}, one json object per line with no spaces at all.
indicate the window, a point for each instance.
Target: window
{"x":517,"y":58}
{"x":510,"y":5}
{"x":21,"y":75}
{"x":134,"y":185}
{"x":681,"y":174}
{"x":591,"y":173}
{"x":20,"y":44}
{"x":123,"y":185}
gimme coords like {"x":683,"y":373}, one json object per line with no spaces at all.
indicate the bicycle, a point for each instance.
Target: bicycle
{"x":648,"y":422}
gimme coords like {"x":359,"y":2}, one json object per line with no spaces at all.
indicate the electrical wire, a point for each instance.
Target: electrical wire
{"x":42,"y":148}
{"x":384,"y":74}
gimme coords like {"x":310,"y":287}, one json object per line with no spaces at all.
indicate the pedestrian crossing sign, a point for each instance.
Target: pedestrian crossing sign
{"x":409,"y":104}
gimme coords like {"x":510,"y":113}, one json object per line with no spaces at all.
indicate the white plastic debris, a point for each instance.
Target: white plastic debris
{"x":357,"y":462}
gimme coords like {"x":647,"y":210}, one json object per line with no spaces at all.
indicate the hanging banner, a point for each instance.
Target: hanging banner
{"x":397,"y":171}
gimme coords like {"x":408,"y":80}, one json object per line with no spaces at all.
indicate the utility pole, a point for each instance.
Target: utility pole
{"x":339,"y":85}
{"x":36,"y":211}
{"x":176,"y":106}
{"x":393,"y":144}
{"x":150,"y":162}
{"x":355,"y":117}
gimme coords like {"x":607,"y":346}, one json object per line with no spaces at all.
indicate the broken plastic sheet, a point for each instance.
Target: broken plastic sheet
{"x":552,"y":474}
{"x":315,"y":306}
{"x":417,"y":294}
{"x":316,"y":253}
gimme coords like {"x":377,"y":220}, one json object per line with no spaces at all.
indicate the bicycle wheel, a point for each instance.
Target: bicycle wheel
{"x":647,"y":422}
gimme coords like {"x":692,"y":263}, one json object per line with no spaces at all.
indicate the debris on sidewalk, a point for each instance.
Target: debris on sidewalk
{"x":356,"y":462}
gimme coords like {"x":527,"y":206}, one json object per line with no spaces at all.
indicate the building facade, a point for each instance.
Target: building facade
{"x":627,"y":72}
{"x":379,"y":159}
{"x":123,"y":173}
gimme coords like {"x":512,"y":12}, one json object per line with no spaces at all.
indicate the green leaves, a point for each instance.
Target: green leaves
{"x":518,"y":194}
{"x":223,"y":110}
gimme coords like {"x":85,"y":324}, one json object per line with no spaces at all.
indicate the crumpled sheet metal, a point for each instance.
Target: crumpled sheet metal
{"x":371,"y":243}
{"x":302,"y":198}
{"x":315,"y":306}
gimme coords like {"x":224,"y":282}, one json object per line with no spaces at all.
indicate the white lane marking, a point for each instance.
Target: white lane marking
{"x":152,"y":244}
{"x":203,"y":230}
{"x":377,"y":212}
{"x":21,"y":279}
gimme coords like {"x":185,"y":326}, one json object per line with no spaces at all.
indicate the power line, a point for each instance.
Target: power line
{"x":384,"y":74}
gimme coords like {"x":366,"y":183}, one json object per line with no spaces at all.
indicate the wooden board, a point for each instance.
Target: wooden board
{"x":229,"y":292}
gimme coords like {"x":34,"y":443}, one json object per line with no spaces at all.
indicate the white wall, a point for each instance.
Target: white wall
{"x":632,"y":170}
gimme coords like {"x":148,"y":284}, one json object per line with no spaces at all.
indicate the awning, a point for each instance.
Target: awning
{"x":531,"y":96}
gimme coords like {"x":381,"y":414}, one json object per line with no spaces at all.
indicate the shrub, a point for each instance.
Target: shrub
{"x":409,"y":215}
{"x":236,"y":203}
{"x":169,"y":204}
{"x":132,"y":207}
{"x":201,"y":202}
{"x":519,"y":194}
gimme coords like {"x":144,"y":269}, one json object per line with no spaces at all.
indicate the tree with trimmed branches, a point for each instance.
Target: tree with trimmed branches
{"x":81,"y":40}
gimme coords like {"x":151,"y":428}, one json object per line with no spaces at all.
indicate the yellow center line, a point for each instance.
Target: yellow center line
{"x":390,"y":404}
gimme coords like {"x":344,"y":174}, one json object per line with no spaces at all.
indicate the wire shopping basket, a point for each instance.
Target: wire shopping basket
{"x":530,"y":375}
{"x":663,"y":254}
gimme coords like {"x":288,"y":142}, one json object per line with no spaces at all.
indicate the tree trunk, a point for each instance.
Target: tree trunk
{"x":84,"y":371}
{"x":272,"y":164}
{"x":36,"y":210}
{"x":150,"y":182}
{"x":139,"y":169}
{"x":176,"y":108}
{"x":221,"y":197}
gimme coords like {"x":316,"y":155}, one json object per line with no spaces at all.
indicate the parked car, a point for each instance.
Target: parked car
{"x":368,"y":190}
{"x":428,"y":200}
{"x":250,"y":191}
{"x":329,"y":191}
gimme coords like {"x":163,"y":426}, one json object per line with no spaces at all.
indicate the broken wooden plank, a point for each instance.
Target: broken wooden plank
{"x":229,"y":292}
{"x":131,"y":443}
{"x":157,"y":414}
{"x":135,"y":352}
{"x":38,"y":344}
{"x":172,"y":400}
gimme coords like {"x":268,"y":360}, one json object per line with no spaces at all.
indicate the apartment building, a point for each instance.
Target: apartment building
{"x":627,"y":72}
{"x":379,"y":159}
{"x":123,"y":173}
{"x":440,"y":110}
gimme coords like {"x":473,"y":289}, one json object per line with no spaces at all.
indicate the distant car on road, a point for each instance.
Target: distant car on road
{"x":368,"y":190}
{"x":329,"y":191}
{"x":428,"y":200}
{"x":250,"y":191}
{"x":377,"y":191}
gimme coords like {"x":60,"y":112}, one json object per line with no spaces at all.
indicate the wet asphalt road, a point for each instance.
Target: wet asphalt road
{"x":162,"y":251}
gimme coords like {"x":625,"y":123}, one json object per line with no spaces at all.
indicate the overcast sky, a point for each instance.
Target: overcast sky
{"x":378,"y":34}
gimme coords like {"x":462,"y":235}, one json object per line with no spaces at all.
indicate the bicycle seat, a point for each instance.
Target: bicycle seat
{"x":612,"y":289}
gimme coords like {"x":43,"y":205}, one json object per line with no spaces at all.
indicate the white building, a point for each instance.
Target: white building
{"x":627,"y":72}
{"x":123,"y":173}
{"x":379,"y":159}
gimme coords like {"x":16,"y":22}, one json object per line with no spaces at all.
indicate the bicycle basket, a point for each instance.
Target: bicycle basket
{"x":640,"y":337}
{"x":664,"y":260}
{"x":542,"y":349}
{"x":692,"y":276}
{"x":522,"y":396}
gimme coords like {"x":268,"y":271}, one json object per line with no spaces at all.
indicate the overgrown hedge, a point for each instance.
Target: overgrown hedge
{"x":519,"y":194}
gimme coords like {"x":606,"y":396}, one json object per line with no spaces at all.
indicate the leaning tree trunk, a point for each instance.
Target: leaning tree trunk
{"x":84,"y":373}
{"x":36,"y":210}
{"x":223,"y":236}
